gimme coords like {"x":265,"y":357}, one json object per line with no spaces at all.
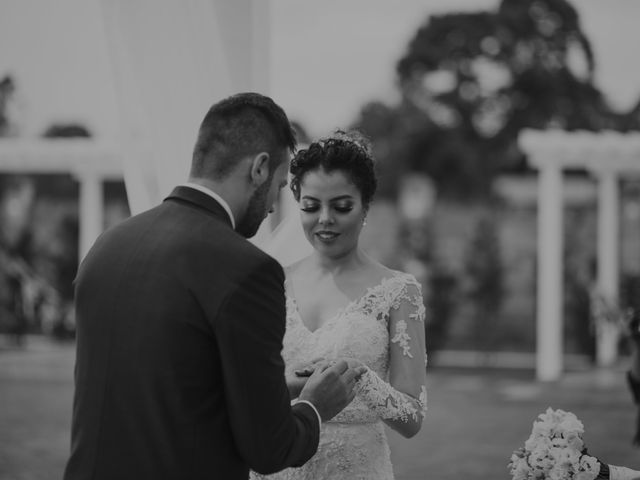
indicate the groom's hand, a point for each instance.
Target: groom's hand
{"x":330,"y":388}
{"x":297,"y":379}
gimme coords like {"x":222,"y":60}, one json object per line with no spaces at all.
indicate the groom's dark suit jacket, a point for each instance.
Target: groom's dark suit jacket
{"x":178,"y":372}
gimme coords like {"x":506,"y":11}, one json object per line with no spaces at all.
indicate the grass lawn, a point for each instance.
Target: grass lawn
{"x":476,"y":417}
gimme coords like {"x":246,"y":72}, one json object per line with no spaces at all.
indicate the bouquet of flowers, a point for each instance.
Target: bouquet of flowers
{"x":555,"y":451}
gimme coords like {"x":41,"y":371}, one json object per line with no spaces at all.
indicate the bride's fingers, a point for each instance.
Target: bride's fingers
{"x":351,"y":396}
{"x":339,"y":367}
{"x":353,"y":374}
{"x":306,"y":369}
{"x":360,"y":370}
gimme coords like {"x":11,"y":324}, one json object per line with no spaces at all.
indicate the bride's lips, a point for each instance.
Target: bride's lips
{"x":326,"y":236}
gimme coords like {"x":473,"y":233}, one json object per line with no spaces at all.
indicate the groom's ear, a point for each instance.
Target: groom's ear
{"x":259,"y":168}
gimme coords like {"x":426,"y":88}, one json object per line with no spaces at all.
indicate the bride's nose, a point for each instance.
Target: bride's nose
{"x":325,"y":217}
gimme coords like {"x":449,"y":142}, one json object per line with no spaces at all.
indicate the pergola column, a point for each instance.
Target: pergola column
{"x":549,"y":326}
{"x":609,"y":155}
{"x":608,"y":263}
{"x":91,"y":209}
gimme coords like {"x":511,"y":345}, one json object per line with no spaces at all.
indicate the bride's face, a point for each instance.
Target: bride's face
{"x":331,"y":211}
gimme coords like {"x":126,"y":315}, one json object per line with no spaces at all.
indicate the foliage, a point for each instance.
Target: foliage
{"x":630,"y":292}
{"x":470,"y":82}
{"x":66,"y":130}
{"x":440,"y":282}
{"x":39,"y":246}
{"x":485,"y":272}
{"x":630,"y":302}
{"x":440,"y":303}
{"x":579,"y":325}
{"x":7,"y":87}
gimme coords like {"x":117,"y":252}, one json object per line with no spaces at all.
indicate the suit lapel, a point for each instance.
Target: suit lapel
{"x":201,"y":200}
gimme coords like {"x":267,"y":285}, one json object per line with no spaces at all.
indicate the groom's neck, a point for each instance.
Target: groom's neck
{"x":232,"y":190}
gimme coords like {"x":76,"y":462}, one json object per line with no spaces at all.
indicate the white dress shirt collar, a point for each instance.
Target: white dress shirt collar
{"x":215,"y":196}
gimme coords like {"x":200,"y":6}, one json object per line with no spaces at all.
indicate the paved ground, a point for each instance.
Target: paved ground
{"x":476,"y":417}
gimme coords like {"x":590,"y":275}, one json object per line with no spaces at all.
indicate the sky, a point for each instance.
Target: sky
{"x":326,"y":58}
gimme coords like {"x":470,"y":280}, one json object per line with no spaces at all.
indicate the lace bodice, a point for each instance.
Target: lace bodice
{"x":383,"y":329}
{"x":362,"y":331}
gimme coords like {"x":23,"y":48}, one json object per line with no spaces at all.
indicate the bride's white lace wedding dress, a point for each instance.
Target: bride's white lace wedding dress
{"x":384,"y":326}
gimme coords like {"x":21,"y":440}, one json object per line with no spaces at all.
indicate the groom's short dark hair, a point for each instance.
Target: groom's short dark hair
{"x":240,"y":125}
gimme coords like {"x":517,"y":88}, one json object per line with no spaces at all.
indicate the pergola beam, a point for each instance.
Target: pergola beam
{"x":90,"y":162}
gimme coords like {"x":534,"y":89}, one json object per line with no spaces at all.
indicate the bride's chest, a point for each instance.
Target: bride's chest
{"x":317,"y":310}
{"x":352,"y":332}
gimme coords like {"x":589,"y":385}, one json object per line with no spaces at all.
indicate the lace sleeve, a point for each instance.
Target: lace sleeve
{"x":404,"y":397}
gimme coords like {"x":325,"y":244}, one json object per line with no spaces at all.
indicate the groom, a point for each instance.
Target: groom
{"x":180,"y":323}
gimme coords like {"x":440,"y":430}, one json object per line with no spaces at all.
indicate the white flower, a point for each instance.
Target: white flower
{"x":585,"y":476}
{"x":559,"y":442}
{"x":553,"y":451}
{"x":590,"y":464}
{"x":520,"y":469}
{"x":571,"y":424}
{"x":558,"y":472}
{"x":574,"y":441}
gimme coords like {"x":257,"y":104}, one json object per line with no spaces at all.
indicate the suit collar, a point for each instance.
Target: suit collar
{"x":202,"y":200}
{"x":215,"y":196}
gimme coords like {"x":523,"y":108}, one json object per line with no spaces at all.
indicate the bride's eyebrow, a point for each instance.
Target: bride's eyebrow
{"x":334,"y":199}
{"x":341,"y":197}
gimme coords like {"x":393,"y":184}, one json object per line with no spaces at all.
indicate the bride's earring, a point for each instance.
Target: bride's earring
{"x":364,"y":221}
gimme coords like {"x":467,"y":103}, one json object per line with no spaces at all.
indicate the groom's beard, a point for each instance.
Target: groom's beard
{"x":256,"y":211}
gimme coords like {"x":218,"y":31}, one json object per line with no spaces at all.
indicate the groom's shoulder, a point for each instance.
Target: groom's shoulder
{"x":255,"y":255}
{"x":232,"y":248}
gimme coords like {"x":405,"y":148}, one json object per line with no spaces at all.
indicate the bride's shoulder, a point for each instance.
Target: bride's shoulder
{"x":389,"y":275}
{"x":398,"y":284}
{"x":297,"y":268}
{"x":408,"y":283}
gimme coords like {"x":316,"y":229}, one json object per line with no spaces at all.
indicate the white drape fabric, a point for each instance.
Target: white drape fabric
{"x":287,"y":243}
{"x":171,"y":61}
{"x":281,"y":234}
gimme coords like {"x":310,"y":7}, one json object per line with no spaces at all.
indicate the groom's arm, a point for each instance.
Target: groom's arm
{"x":269,"y":433}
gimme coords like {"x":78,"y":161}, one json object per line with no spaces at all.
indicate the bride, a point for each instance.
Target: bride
{"x":342,"y":304}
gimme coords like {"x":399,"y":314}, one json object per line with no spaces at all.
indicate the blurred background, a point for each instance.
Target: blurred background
{"x":99,"y":106}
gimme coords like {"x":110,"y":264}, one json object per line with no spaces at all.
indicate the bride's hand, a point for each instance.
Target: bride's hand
{"x":300,"y":373}
{"x":306,"y":369}
{"x":355,"y":364}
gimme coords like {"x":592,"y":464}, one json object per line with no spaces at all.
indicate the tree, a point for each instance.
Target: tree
{"x":66,"y":130}
{"x":470,"y":82}
{"x":7,"y":87}
{"x":485,"y":275}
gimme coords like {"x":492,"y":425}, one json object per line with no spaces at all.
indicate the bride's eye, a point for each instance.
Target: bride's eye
{"x":344,"y":208}
{"x":309,"y":207}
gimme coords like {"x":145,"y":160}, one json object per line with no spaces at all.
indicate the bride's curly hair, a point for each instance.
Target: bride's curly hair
{"x":349,"y":152}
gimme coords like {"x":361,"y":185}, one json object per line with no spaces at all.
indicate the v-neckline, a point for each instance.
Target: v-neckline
{"x":341,"y":311}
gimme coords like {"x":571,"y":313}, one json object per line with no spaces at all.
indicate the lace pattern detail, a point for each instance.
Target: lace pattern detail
{"x":346,"y":452}
{"x":402,"y":338}
{"x":353,"y":444}
{"x":387,"y":402}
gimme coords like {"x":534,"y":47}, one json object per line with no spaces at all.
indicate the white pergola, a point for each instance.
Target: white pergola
{"x":164,"y":85}
{"x":91,"y":163}
{"x":608,"y":156}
